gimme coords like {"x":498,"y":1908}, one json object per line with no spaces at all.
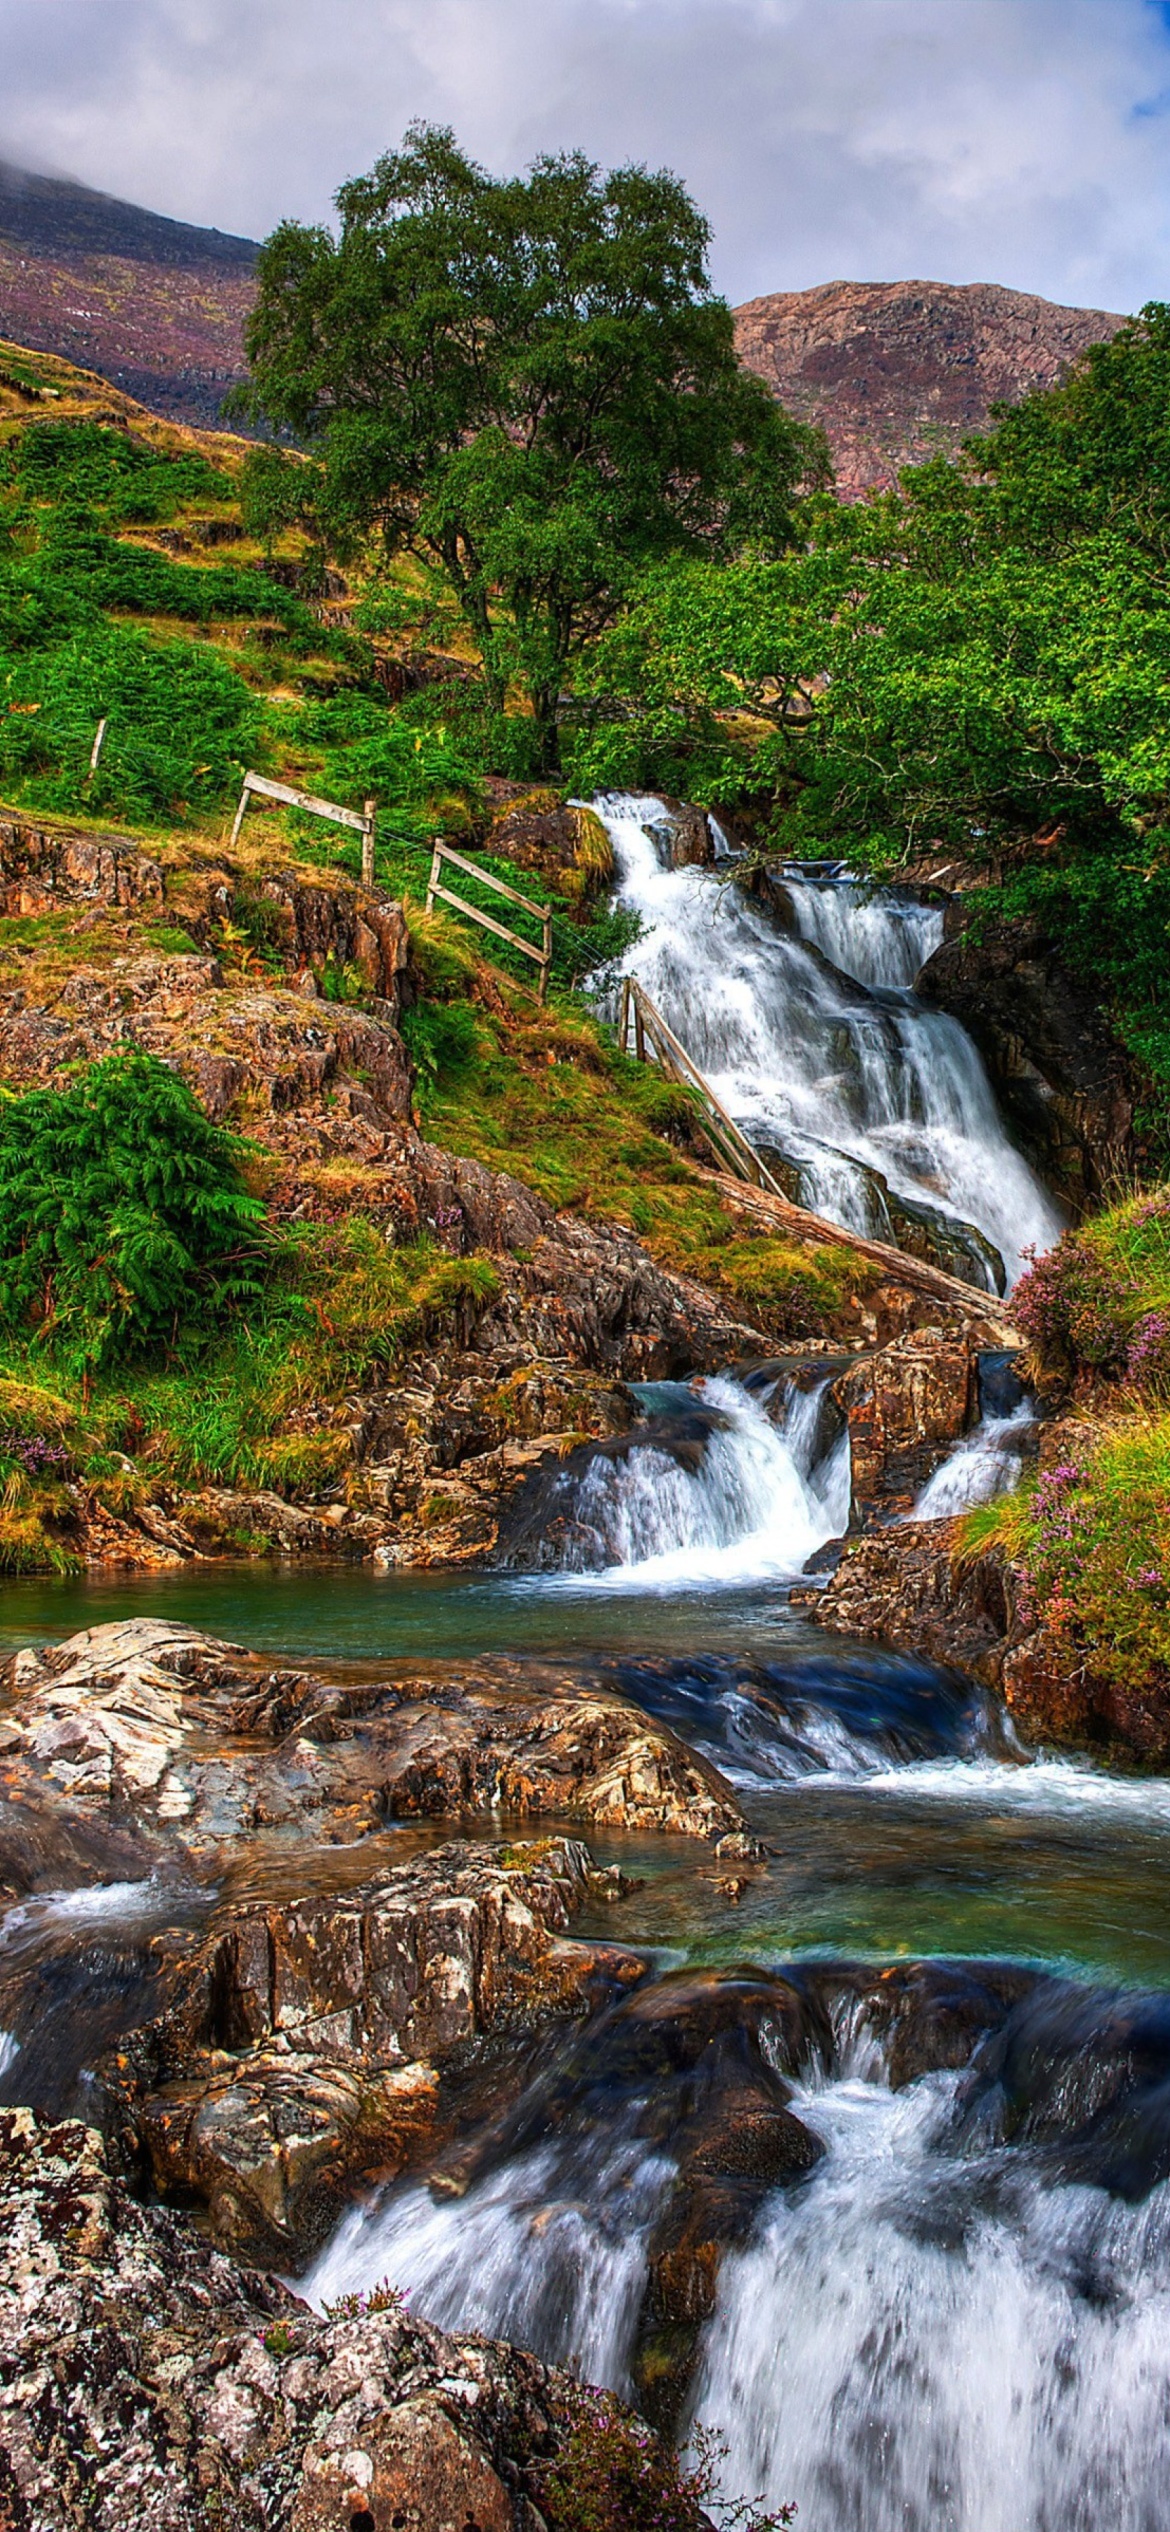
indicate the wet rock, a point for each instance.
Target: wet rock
{"x":147,"y":2380}
{"x":1067,"y":1085}
{"x":1077,"y":2081}
{"x":305,"y":2046}
{"x":905,"y":1406}
{"x":916,"y":2017}
{"x":162,"y":1727}
{"x":903,"y":1586}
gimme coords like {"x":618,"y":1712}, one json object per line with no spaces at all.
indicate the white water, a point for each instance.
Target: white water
{"x":525,"y":2255}
{"x":985,"y":1464}
{"x":903,"y":2349}
{"x":833,"y":1072}
{"x":915,"y":2339}
{"x":870,"y":934}
{"x":755,"y":1509}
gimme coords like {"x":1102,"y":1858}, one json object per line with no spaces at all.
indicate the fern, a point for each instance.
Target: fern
{"x":122,"y":1212}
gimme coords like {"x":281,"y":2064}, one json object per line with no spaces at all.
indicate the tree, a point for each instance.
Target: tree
{"x":527,"y":383}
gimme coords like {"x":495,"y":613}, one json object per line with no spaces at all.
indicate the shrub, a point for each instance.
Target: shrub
{"x":1099,"y":1302}
{"x":613,"y":2474}
{"x":122,"y":1212}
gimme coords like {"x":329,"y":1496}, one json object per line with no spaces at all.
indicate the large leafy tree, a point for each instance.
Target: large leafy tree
{"x":528,"y":383}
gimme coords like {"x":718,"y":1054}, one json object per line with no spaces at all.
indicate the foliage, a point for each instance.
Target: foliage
{"x":613,"y":2474}
{"x":115,"y":472}
{"x":181,"y":725}
{"x":1098,"y":1305}
{"x":1093,"y":1543}
{"x":122,"y":1211}
{"x":530,"y":384}
{"x":440,"y":1038}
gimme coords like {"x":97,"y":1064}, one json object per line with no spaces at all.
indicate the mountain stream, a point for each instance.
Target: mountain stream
{"x":953,"y":1959}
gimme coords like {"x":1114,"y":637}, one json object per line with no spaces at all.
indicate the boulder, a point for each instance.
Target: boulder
{"x":906,"y":1405}
{"x":305,"y":2045}
{"x":180,"y":1736}
{"x":148,"y":2380}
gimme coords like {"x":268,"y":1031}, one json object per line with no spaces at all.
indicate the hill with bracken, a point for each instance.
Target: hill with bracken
{"x":898,"y":371}
{"x":154,"y":305}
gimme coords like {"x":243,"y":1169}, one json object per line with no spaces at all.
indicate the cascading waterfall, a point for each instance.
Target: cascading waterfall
{"x":918,"y":2340}
{"x":871,"y":934}
{"x":987,"y":1463}
{"x":934,"y":2328}
{"x":837,"y":1066}
{"x":757,"y":1506}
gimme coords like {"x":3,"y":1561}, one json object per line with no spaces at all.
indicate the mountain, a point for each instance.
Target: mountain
{"x":153,"y":305}
{"x":893,"y":370}
{"x":896,"y":371}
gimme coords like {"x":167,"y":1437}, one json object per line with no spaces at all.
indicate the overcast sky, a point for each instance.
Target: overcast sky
{"x":1019,"y":141}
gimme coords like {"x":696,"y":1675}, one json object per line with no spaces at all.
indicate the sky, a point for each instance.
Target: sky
{"x":1017,"y":141}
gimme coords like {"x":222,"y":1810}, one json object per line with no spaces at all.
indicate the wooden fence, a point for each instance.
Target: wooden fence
{"x":542,"y":956}
{"x":731,"y":1148}
{"x":258,"y":786}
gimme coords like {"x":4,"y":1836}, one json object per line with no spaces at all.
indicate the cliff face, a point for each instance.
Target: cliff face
{"x":898,"y":371}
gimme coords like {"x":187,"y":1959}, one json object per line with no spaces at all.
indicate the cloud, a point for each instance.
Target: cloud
{"x":1021,"y":141}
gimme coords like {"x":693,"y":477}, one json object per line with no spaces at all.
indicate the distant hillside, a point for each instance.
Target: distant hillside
{"x":897,"y":371}
{"x":153,"y":305}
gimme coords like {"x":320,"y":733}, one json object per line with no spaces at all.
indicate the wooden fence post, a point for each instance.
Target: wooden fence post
{"x":547,"y":954}
{"x":433,"y":881}
{"x":370,"y":808}
{"x":96,"y":750}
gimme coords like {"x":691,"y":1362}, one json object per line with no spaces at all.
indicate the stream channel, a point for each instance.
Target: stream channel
{"x":957,"y":2317}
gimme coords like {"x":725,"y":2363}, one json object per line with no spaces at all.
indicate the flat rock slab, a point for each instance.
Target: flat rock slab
{"x":169,"y":1730}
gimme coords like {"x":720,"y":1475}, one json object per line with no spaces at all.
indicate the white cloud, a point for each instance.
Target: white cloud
{"x":1021,"y":141}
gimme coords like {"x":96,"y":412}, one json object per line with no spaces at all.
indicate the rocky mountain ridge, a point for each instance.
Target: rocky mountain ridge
{"x":899,"y":371}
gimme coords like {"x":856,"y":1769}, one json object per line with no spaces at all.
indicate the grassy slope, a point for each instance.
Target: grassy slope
{"x":1092,"y":1533}
{"x":543,"y":1095}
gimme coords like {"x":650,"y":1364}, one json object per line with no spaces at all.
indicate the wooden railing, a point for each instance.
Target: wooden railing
{"x":543,"y":914}
{"x":731,"y":1147}
{"x":258,"y":787}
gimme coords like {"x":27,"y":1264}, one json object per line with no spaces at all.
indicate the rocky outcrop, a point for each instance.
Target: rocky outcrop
{"x":170,"y":1732}
{"x":312,"y":2045}
{"x":905,"y":1406}
{"x":1068,"y":1086}
{"x":897,"y":371}
{"x":911,"y":1586}
{"x":279,"y":1048}
{"x":147,"y":2380}
{"x":558,"y":840}
{"x":901,"y":1586}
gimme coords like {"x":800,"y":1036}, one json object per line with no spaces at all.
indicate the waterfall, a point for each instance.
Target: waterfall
{"x":844,"y":1072}
{"x":755,"y":1507}
{"x":870,"y":934}
{"x":987,"y":1463}
{"x":544,"y":2252}
{"x":915,"y":2340}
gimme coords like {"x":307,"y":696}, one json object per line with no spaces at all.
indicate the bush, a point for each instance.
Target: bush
{"x":613,"y":2474}
{"x":122,"y":1212}
{"x":1098,"y":1305}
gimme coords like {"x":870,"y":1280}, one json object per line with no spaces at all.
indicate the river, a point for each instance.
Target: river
{"x":958,"y":2320}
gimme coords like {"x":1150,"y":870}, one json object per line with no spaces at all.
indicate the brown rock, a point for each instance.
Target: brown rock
{"x":413,"y":2468}
{"x":904,"y":1405}
{"x":896,"y":371}
{"x":306,"y":2044}
{"x":170,"y":1729}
